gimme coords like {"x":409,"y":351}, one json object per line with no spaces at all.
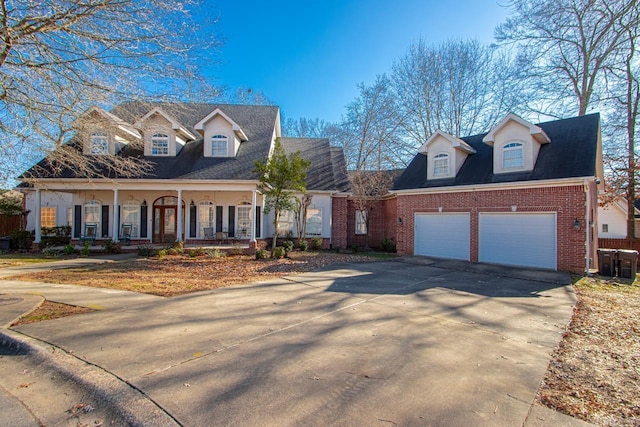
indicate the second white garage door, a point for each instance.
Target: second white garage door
{"x":442,"y":235}
{"x":521,"y":239}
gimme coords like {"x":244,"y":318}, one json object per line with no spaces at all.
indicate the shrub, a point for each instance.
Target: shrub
{"x":173,"y":251}
{"x":236,"y":249}
{"x":178,"y":248}
{"x":196,"y":252}
{"x":316,"y":243}
{"x":303,"y":245}
{"x":111,"y":247}
{"x":215,"y":253}
{"x":387,"y":245}
{"x":162,"y":253}
{"x":21,"y":239}
{"x":56,"y":236}
{"x":279,"y":252}
{"x":68,"y":249}
{"x":85,"y":250}
{"x":355,"y":248}
{"x":261,"y":254}
{"x":287,"y":245}
{"x":50,"y":252}
{"x":146,"y":250}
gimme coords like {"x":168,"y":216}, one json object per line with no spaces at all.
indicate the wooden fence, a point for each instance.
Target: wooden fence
{"x":8,"y":223}
{"x":618,"y":244}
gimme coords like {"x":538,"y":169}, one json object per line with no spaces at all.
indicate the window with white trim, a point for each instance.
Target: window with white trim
{"x":605,"y":228}
{"x":99,"y":143}
{"x":206,"y":217}
{"x":48,"y":216}
{"x":93,"y":213}
{"x":314,"y":222}
{"x":131,"y":215}
{"x":243,"y":225}
{"x":361,"y":222}
{"x":160,"y":144}
{"x":219,"y":145}
{"x":512,"y":156}
{"x":70,"y":216}
{"x":441,"y":164}
{"x":285,"y":223}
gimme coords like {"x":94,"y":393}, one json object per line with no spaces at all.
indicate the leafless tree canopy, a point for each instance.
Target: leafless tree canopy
{"x":59,"y":57}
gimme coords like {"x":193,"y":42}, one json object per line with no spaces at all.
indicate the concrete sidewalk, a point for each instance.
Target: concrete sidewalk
{"x":422,"y":342}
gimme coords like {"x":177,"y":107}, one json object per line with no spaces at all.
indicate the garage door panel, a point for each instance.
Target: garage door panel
{"x":522,"y":239}
{"x":442,"y":235}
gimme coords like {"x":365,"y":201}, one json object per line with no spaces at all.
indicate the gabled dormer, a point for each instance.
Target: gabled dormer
{"x":163,"y":135}
{"x":104,"y":133}
{"x":222,"y":136}
{"x":516,"y":144}
{"x":445,"y":155}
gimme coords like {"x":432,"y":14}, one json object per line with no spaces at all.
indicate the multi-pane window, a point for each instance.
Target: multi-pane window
{"x":99,"y":143}
{"x":441,"y":164}
{"x":92,"y":213}
{"x":131,"y":215}
{"x":206,"y":217}
{"x":605,"y":228}
{"x":314,"y":222}
{"x":243,"y":229}
{"x":219,"y":145}
{"x":47,"y":216}
{"x":361,"y":222}
{"x":512,"y":156}
{"x":160,"y":144}
{"x":285,"y":223}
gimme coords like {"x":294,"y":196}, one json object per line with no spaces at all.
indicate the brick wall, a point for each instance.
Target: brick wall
{"x":339,"y":222}
{"x":382,"y":224}
{"x":567,"y":201}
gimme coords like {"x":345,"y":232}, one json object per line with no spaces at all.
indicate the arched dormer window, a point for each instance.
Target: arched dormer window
{"x":512,"y":156}
{"x":219,"y":145}
{"x":99,"y":143}
{"x":160,"y":144}
{"x":441,"y":164}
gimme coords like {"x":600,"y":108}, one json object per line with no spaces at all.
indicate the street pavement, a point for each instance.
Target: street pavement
{"x":413,"y":341}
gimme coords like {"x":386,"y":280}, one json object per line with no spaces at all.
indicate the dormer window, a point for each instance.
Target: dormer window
{"x":160,"y":144}
{"x":512,"y":156}
{"x":99,"y":143}
{"x":219,"y":144}
{"x":441,"y":165}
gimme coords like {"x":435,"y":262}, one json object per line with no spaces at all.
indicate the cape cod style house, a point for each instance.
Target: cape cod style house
{"x":522,"y":194}
{"x":200,"y":187}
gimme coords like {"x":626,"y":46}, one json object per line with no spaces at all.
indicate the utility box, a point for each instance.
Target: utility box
{"x":607,"y":261}
{"x":627,"y":263}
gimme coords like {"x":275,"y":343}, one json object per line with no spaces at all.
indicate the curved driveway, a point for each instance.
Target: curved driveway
{"x":413,"y":341}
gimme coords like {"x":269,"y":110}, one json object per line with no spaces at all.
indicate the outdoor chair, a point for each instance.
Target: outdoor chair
{"x":208,"y":232}
{"x":125,"y":234}
{"x":90,"y":233}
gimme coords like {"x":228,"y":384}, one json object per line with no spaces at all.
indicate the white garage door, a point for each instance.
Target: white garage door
{"x":522,"y":239}
{"x":442,"y":235}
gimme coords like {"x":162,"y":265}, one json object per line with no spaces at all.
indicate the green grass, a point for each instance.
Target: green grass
{"x":16,"y":259}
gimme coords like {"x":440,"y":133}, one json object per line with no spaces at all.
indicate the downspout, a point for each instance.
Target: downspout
{"x":331,"y":220}
{"x":587,"y":227}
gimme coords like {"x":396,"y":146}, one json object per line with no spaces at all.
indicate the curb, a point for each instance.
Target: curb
{"x":124,"y":404}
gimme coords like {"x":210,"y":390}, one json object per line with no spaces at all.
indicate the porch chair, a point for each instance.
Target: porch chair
{"x":125,"y":234}
{"x":90,"y":233}
{"x":208,"y":232}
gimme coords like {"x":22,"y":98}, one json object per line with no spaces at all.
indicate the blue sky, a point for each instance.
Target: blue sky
{"x":308,"y":56}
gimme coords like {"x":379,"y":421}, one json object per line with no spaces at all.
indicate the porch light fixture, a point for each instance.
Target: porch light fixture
{"x":576,"y":224}
{"x":192,"y":204}
{"x":144,"y":202}
{"x":399,"y":221}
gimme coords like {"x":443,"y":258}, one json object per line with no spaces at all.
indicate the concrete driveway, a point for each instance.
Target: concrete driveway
{"x":413,"y":341}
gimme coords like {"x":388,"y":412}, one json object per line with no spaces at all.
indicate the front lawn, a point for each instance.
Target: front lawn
{"x":180,"y":274}
{"x":595,"y":373}
{"x":16,"y":259}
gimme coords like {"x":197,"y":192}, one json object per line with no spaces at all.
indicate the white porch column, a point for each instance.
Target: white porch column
{"x":116,"y":212}
{"x":253,"y":216}
{"x":179,"y":230}
{"x":38,"y":236}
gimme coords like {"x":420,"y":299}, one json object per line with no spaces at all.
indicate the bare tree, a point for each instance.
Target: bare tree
{"x":308,"y":128}
{"x":368,"y":130}
{"x":59,"y":57}
{"x":460,"y":87}
{"x":301,"y":204}
{"x":367,"y":187}
{"x":565,"y":45}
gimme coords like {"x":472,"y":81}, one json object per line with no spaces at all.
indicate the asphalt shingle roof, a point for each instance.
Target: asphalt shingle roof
{"x":257,"y":122}
{"x":572,"y":152}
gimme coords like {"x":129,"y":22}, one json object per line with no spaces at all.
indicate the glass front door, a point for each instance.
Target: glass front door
{"x":165,"y":224}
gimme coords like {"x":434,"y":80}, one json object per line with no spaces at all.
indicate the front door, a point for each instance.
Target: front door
{"x":165,"y":224}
